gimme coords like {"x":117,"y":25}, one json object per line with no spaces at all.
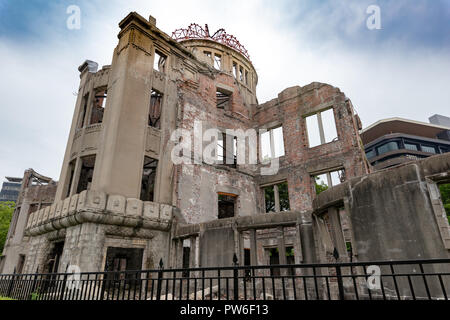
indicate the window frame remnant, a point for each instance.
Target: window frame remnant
{"x":186,"y":258}
{"x":277,"y":203}
{"x":272,"y":143}
{"x":274,"y":260}
{"x":54,"y":257}
{"x":223,"y":158}
{"x":86,"y":174}
{"x":226,"y":205}
{"x":160,"y":61}
{"x":241,"y":73}
{"x":98,"y":108}
{"x":20,"y":263}
{"x":83,"y":112}
{"x":218,"y":61}
{"x":155,"y":109}
{"x":71,"y":171}
{"x":235,"y":70}
{"x":148,"y":179}
{"x":323,"y":133}
{"x":120,"y":257}
{"x":329,"y":179}
{"x":223,"y":99}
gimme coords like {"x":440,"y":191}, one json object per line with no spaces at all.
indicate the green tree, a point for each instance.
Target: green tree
{"x":6,"y":212}
{"x":445,"y":195}
{"x":320,"y":187}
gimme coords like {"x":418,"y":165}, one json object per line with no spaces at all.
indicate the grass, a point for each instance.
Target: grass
{"x":5,"y":298}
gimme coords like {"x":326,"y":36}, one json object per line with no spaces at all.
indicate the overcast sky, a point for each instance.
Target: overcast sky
{"x":400,"y":70}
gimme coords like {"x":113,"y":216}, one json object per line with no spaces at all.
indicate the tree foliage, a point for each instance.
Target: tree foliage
{"x":445,"y":195}
{"x":6,"y":212}
{"x":320,"y":187}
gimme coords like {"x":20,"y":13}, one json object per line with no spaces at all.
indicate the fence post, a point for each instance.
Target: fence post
{"x":159,"y":283}
{"x":33,"y":287}
{"x":63,"y":287}
{"x":235,"y":278}
{"x":11,"y":284}
{"x":340,"y":284}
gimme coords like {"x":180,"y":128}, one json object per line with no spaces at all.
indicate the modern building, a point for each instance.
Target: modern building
{"x":394,"y":141}
{"x":10,"y":189}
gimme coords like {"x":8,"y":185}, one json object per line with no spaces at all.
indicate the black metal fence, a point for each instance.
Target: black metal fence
{"x":393,"y":280}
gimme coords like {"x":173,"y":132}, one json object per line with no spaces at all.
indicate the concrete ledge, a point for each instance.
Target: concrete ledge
{"x":259,"y":221}
{"x":98,"y":207}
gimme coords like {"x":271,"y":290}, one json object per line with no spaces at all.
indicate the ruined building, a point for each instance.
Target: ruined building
{"x":123,"y":203}
{"x":35,"y":192}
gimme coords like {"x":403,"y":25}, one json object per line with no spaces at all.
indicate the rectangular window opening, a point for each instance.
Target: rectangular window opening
{"x":186,"y":257}
{"x":83,"y":111}
{"x":321,"y":128}
{"x":241,"y":74}
{"x":276,"y":197}
{"x":227,"y":204}
{"x":274,"y":259}
{"x":226,"y":152}
{"x":20,"y":264}
{"x":148,"y":179}
{"x":54,"y":257}
{"x":290,"y":259}
{"x":159,"y":63}
{"x":86,"y":173}
{"x":154,"y":115}
{"x":121,"y":260}
{"x":98,"y":109}
{"x":329,"y":179}
{"x":272,"y":144}
{"x":246,"y":77}
{"x":71,"y":174}
{"x":218,"y":61}
{"x":247,"y":262}
{"x":235,"y":70}
{"x":223,"y":99}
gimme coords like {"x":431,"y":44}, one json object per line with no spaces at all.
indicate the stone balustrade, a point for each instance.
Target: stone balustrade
{"x":98,"y":207}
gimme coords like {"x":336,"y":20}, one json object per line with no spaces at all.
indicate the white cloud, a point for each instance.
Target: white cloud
{"x":38,"y":80}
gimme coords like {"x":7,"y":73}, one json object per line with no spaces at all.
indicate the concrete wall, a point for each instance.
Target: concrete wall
{"x":391,"y":212}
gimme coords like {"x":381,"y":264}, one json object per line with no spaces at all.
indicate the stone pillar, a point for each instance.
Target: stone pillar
{"x":298,"y":252}
{"x":84,"y":247}
{"x":337,"y":234}
{"x":253,"y":248}
{"x":277,"y":198}
{"x":125,"y":120}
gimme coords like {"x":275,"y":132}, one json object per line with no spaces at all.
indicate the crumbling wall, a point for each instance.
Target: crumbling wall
{"x":300,"y":161}
{"x":198,"y":185}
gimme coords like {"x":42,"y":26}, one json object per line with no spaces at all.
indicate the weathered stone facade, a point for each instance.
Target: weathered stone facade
{"x":36,"y":193}
{"x":120,"y":189}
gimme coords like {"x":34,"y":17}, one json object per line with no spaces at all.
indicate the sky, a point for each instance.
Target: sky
{"x":401,"y":69}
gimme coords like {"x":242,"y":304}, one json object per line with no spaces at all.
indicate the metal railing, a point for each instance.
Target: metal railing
{"x":381,"y":280}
